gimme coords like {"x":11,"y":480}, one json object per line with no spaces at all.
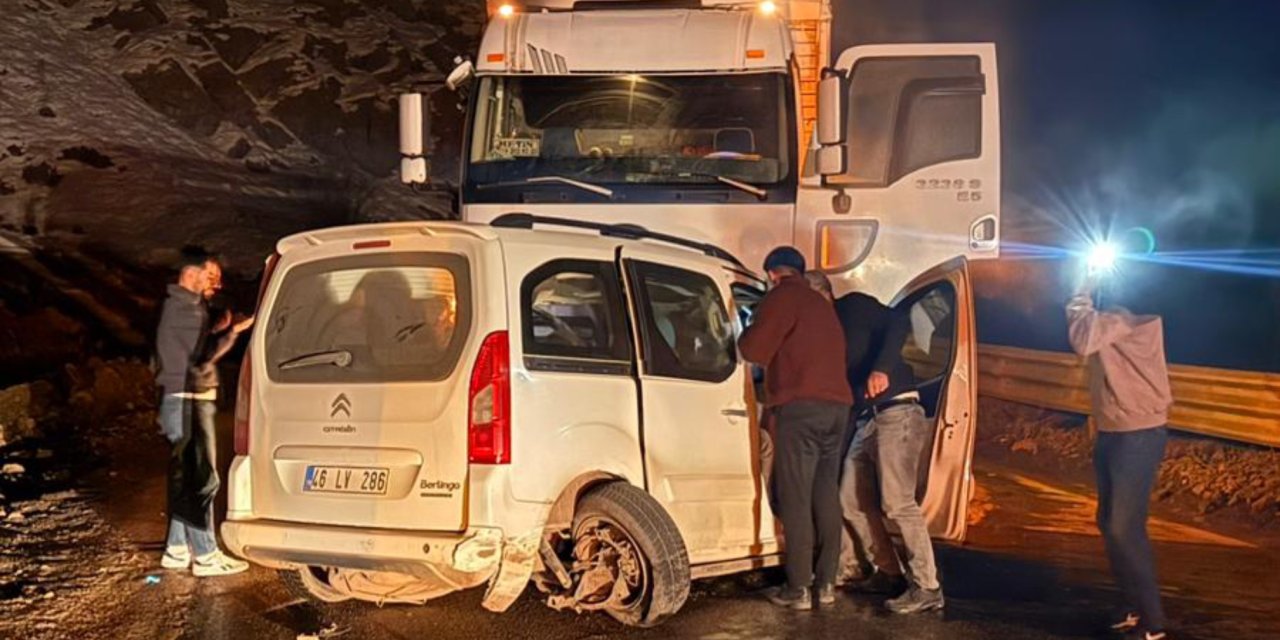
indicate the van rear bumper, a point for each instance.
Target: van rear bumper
{"x":475,"y":554}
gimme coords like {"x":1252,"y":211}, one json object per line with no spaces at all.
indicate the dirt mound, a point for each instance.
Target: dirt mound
{"x":1205,"y":475}
{"x":108,"y":389}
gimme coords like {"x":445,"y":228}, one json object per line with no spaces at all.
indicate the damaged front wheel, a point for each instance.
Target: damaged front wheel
{"x":628,"y":558}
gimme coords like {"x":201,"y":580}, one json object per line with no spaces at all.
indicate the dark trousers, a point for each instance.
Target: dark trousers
{"x":193,"y":477}
{"x":806,"y":479}
{"x":1126,"y":464}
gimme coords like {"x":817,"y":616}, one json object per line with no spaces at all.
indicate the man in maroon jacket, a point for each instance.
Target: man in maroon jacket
{"x":797,"y":337}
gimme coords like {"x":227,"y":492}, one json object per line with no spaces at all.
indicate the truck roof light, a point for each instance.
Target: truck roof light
{"x":496,"y":57}
{"x":755,"y":54}
{"x":768,"y":7}
{"x":507,"y":10}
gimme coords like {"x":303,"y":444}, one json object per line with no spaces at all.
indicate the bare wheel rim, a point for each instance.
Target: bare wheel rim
{"x":615,"y":574}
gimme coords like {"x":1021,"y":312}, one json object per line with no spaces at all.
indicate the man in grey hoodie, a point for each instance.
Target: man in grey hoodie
{"x":186,"y":374}
{"x":1129,"y":390}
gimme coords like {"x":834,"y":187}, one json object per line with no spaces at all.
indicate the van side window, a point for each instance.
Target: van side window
{"x":686,"y":326}
{"x":573,"y":318}
{"x":745,"y":299}
{"x":929,"y":349}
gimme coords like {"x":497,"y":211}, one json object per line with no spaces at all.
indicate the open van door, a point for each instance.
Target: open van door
{"x":906,"y":173}
{"x":941,"y":350}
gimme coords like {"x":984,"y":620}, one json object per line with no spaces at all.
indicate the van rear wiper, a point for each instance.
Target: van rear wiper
{"x":585,"y":186}
{"x":337,"y":358}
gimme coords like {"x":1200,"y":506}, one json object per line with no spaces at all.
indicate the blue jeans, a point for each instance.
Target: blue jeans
{"x":193,"y":478}
{"x":199,"y":540}
{"x":1126,"y":464}
{"x":880,"y":481}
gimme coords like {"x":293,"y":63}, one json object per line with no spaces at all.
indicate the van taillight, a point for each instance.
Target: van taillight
{"x":489,"y":420}
{"x":244,"y":384}
{"x":244,"y":396}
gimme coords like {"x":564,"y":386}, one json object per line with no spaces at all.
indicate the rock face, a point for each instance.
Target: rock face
{"x":147,"y":124}
{"x":21,"y":408}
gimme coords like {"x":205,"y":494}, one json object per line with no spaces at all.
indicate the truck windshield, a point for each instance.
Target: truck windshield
{"x":632,"y":129}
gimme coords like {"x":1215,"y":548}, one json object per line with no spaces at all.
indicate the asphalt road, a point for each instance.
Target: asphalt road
{"x":1033,"y":568}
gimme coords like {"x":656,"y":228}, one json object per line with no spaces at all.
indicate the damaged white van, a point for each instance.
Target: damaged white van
{"x":431,"y":406}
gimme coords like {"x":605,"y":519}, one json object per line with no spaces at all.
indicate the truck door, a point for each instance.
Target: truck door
{"x":941,"y":350}
{"x":909,"y":161}
{"x":696,"y":428}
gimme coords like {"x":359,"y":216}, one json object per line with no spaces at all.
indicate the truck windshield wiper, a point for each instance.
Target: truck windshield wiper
{"x":337,"y":358}
{"x":752,"y":189}
{"x":585,"y":186}
{"x":745,"y":186}
{"x":733,"y":182}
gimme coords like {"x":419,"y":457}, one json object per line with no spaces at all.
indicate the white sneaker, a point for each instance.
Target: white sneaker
{"x":176,"y":558}
{"x":217,"y":564}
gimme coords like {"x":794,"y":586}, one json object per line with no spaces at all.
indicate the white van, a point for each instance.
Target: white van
{"x":432,"y":406}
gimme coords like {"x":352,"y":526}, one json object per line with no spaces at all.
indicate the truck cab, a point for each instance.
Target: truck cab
{"x":722,"y":120}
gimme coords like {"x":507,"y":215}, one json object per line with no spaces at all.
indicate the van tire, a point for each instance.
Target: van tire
{"x":310,"y":587}
{"x":659,"y":541}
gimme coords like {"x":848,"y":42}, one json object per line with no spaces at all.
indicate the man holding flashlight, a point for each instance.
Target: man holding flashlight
{"x":1130,"y":397}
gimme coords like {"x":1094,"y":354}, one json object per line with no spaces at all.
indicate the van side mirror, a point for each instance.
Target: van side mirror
{"x":413,"y":131}
{"x":461,"y":74}
{"x":831,"y":124}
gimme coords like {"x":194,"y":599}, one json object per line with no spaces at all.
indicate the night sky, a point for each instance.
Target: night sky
{"x":1163,"y":114}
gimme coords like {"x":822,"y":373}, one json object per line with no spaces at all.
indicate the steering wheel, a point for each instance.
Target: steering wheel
{"x":726,"y":155}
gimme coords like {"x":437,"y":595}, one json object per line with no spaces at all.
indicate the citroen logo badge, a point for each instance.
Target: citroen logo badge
{"x":340,"y":404}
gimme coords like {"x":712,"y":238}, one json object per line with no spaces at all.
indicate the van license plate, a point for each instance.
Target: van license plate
{"x":361,"y":480}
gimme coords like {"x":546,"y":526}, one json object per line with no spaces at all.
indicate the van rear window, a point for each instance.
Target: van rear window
{"x":388,"y":317}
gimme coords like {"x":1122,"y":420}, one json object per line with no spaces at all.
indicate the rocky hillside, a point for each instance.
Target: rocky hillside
{"x":136,"y":126}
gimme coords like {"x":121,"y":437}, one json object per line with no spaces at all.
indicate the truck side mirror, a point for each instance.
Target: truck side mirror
{"x":831,"y":124}
{"x":413,"y":164}
{"x":461,"y":74}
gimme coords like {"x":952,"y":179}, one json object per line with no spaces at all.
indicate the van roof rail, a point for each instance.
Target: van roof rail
{"x":623,"y":230}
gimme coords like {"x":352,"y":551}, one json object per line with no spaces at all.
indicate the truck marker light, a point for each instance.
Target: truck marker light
{"x":496,"y":57}
{"x":755,"y":54}
{"x":768,"y":7}
{"x":824,"y":254}
{"x":506,"y":11}
{"x":371,"y":244}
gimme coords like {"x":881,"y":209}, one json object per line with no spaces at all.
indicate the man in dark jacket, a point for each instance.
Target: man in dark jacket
{"x":881,"y":472}
{"x":797,"y":338}
{"x":187,"y":378}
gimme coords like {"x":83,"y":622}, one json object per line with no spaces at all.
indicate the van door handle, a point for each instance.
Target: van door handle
{"x":736,"y":413}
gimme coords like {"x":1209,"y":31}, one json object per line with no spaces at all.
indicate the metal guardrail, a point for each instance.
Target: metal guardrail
{"x":1236,"y":405}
